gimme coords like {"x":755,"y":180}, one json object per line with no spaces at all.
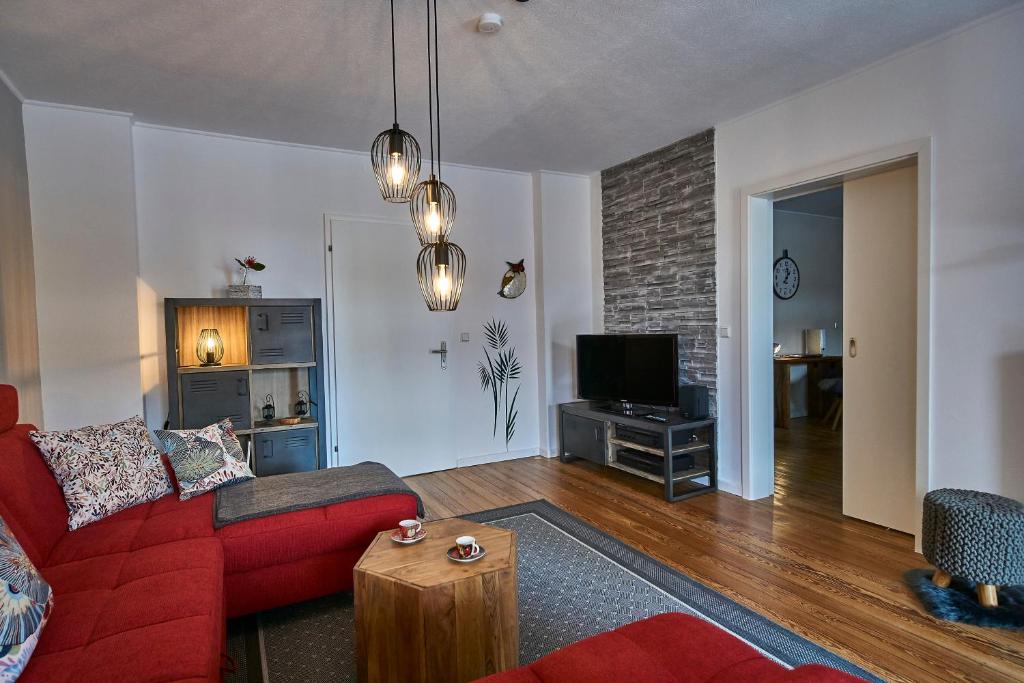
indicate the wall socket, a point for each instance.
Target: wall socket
{"x":724,"y":332}
{"x":464,"y":337}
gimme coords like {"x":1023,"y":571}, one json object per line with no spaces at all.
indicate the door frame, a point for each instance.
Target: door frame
{"x":757,"y":429}
{"x":330,"y":349}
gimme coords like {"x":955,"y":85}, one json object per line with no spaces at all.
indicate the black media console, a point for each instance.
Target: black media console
{"x":663,"y":447}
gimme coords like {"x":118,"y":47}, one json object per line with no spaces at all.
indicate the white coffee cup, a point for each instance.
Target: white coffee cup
{"x":467,"y":546}
{"x":410,"y":527}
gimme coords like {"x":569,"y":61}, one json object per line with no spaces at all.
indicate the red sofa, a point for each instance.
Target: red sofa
{"x":143,"y":595}
{"x":668,"y":648}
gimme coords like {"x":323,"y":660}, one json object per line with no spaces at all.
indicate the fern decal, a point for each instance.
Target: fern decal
{"x":497,"y":374}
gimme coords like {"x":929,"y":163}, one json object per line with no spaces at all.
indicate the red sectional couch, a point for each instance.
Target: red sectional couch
{"x":143,"y":595}
{"x":668,"y":648}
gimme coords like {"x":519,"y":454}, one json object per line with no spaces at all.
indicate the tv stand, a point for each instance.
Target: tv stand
{"x":679,"y":453}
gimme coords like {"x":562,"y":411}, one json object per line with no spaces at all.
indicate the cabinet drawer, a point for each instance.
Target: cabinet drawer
{"x":281,"y":334}
{"x":209,"y":397}
{"x":291,"y":450}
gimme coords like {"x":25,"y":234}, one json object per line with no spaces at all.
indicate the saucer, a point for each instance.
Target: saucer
{"x":396,"y":536}
{"x":453,"y":555}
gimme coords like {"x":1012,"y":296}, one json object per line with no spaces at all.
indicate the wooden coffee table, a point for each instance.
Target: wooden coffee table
{"x":423,"y":617}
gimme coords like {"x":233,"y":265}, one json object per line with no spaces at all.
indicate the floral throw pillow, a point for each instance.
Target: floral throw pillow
{"x":187,"y":449}
{"x":104,"y":469}
{"x":25,"y":604}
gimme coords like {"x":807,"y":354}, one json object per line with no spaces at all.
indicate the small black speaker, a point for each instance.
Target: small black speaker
{"x":693,"y":401}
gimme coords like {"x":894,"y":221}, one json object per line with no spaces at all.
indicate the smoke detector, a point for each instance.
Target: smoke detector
{"x":489,"y":22}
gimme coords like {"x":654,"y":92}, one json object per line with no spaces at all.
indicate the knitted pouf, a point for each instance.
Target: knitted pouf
{"x":976,"y":536}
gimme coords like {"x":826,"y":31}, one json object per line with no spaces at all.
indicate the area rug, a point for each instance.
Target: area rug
{"x":959,"y":602}
{"x":574,"y":581}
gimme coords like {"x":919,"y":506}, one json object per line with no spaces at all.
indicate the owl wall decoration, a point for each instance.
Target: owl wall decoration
{"x":513,"y":282}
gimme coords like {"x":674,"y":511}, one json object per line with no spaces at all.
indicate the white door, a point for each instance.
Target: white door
{"x":879,"y":356}
{"x":393,"y":399}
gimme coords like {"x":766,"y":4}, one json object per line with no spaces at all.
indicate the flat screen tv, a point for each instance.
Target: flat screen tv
{"x":633,"y":368}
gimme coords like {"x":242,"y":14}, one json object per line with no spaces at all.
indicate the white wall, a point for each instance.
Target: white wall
{"x":966,"y":92}
{"x":204,"y":199}
{"x":19,"y":344}
{"x":81,"y":187}
{"x":564,"y":263}
{"x":816,"y":244}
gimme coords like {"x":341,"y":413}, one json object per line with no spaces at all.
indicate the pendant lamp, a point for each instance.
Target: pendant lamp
{"x":432,"y":208}
{"x":395,"y":154}
{"x":441,"y":271}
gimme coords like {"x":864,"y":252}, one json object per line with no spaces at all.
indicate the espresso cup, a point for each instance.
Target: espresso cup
{"x":467,"y":546}
{"x":410,"y":527}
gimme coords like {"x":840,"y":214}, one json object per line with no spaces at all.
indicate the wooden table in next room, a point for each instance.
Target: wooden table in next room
{"x":422,"y":617}
{"x":817,"y":367}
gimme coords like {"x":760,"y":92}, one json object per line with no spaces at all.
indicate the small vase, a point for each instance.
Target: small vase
{"x":245,"y":291}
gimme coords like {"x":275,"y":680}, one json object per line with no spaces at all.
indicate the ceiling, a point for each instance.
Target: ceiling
{"x":827,"y":203}
{"x":568,"y":85}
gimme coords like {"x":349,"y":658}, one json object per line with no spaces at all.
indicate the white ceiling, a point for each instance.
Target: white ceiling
{"x":569,"y":85}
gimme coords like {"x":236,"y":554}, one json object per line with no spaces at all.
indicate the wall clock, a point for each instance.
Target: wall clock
{"x":786,"y":276}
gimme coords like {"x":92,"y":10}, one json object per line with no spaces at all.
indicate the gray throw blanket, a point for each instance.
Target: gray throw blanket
{"x":265,"y":496}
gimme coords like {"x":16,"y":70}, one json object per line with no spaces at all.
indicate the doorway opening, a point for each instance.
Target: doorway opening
{"x":867,"y":482}
{"x":807,"y":282}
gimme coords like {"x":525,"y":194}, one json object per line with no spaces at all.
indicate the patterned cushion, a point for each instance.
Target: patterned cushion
{"x":104,"y":469}
{"x":193,"y":452}
{"x":25,"y":604}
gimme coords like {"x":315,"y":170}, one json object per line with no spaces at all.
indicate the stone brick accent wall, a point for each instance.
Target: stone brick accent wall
{"x":659,"y":250}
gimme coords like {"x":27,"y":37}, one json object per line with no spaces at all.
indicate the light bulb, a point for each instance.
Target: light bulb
{"x":210,"y":343}
{"x":443,"y":284}
{"x":433,"y":218}
{"x":397,"y":170}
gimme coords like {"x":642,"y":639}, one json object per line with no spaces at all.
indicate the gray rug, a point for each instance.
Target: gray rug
{"x":574,"y":581}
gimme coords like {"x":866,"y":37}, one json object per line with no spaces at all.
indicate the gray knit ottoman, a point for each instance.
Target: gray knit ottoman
{"x":977,"y":536}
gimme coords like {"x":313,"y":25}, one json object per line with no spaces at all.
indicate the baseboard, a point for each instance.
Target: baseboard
{"x":498,"y":457}
{"x":730,"y":487}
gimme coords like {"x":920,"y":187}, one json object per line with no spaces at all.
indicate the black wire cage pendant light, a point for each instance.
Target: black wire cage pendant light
{"x":395,"y":154}
{"x":432,"y":208}
{"x":441,"y":271}
{"x":441,"y":266}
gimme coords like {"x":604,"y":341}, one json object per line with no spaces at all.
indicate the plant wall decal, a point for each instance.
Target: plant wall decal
{"x":501,"y":369}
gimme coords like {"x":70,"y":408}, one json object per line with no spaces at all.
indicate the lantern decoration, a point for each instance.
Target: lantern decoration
{"x":302,"y":405}
{"x":210,"y":348}
{"x":441,"y":271}
{"x":268,"y":408}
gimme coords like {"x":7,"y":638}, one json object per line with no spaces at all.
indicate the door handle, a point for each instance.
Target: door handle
{"x":853,"y":347}
{"x":243,"y":387}
{"x":268,"y":449}
{"x":265,"y":325}
{"x":443,"y":351}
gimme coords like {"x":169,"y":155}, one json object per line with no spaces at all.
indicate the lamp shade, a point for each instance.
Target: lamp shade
{"x":210,"y":347}
{"x":395,"y":156}
{"x":432,"y":210}
{"x":441,"y":271}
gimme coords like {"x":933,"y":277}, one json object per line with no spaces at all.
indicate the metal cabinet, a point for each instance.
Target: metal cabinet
{"x":584,"y":438}
{"x":209,"y":397}
{"x":292,"y":450}
{"x":281,"y":334}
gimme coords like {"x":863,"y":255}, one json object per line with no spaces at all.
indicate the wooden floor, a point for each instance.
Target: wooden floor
{"x":794,"y":558}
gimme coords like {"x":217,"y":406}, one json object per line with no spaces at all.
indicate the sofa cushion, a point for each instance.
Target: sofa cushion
{"x":205,"y":459}
{"x":155,"y":613}
{"x":668,"y":648}
{"x":26,"y":601}
{"x":160,"y":521}
{"x":103,"y":469}
{"x":30,"y":500}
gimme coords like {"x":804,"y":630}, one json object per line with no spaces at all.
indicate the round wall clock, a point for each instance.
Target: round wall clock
{"x":786,"y":276}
